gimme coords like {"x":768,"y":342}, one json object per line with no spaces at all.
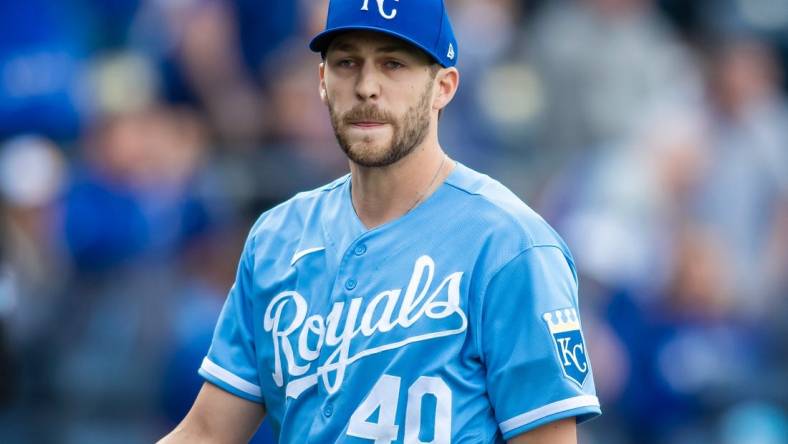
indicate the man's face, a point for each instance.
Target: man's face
{"x":379,"y":92}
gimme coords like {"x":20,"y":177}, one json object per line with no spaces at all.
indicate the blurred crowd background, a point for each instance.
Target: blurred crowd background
{"x":139,"y":139}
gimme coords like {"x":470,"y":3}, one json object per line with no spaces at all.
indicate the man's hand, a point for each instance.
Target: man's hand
{"x":217,"y":417}
{"x":558,"y":432}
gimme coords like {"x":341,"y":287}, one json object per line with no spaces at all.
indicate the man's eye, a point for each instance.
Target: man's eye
{"x":345,"y":63}
{"x":392,"y":64}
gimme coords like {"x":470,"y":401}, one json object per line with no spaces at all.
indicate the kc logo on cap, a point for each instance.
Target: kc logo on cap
{"x":381,"y":10}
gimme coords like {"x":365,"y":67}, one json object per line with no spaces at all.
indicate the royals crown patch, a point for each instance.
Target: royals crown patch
{"x":564,"y":326}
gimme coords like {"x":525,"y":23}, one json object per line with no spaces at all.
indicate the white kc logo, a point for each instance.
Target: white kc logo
{"x":381,"y":10}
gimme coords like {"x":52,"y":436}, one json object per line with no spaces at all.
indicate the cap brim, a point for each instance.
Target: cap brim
{"x":321,"y":41}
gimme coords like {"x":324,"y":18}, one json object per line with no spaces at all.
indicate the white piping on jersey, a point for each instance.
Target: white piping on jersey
{"x":547,"y":410}
{"x":416,"y":303}
{"x":224,"y":375}
{"x":303,"y":253}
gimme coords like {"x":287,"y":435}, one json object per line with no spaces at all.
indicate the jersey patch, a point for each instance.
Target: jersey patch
{"x":564,"y":327}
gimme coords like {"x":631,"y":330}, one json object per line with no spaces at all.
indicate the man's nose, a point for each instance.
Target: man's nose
{"x":368,"y":84}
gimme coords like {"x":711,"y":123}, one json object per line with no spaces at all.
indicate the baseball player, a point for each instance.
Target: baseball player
{"x":411,"y":301}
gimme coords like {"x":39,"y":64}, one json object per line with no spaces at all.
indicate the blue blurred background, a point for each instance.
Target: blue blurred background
{"x":140,"y":138}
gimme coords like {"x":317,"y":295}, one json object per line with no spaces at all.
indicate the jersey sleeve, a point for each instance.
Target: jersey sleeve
{"x":532,"y":344}
{"x":230,"y":363}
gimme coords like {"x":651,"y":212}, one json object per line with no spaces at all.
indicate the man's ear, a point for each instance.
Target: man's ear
{"x":447,"y":80}
{"x":322,"y":87}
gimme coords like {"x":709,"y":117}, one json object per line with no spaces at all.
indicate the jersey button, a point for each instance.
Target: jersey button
{"x":360,"y":250}
{"x":350,"y":284}
{"x":328,"y":410}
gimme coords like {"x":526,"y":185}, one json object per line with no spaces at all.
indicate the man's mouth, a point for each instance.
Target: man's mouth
{"x":367,"y":123}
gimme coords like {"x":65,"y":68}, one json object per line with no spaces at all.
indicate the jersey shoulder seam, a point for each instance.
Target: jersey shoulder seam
{"x":500,"y":209}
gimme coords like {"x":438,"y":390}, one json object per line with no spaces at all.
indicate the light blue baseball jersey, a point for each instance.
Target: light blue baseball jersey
{"x":455,"y":323}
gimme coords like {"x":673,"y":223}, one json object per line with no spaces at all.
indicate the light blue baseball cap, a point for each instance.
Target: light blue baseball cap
{"x":423,"y":23}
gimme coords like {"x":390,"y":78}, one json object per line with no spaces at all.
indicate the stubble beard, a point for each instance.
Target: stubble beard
{"x":408,"y":132}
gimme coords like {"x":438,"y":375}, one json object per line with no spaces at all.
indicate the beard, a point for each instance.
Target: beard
{"x":409,"y":131}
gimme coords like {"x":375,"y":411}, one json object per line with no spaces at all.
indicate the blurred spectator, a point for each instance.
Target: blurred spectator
{"x":631,"y":194}
{"x":213,"y":67}
{"x":603,"y":65}
{"x":132,"y":197}
{"x":746,"y":185}
{"x":42,"y":48}
{"x":687,"y":353}
{"x":212,"y":54}
{"x":32,"y":174}
{"x":132,"y":205}
{"x":32,"y":270}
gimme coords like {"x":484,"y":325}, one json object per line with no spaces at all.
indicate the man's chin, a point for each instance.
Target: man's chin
{"x":368,"y":155}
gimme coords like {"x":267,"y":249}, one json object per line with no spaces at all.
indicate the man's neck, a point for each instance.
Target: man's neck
{"x":383,"y":194}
